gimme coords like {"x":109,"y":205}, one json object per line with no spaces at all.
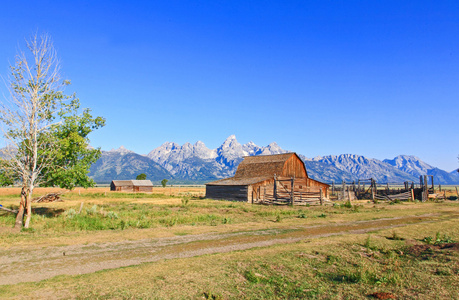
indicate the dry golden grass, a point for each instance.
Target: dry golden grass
{"x":342,"y":267}
{"x":296,"y":270}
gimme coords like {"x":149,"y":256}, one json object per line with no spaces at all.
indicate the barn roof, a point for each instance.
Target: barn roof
{"x":255,"y":169}
{"x":132,"y":183}
{"x":262,"y":165}
{"x":239,"y":181}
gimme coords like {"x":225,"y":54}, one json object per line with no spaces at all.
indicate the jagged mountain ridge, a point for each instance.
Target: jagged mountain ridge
{"x":125,"y":164}
{"x":362,"y":167}
{"x":416,"y":167}
{"x":197,"y":163}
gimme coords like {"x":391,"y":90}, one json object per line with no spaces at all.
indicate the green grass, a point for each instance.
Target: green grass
{"x":120,"y":213}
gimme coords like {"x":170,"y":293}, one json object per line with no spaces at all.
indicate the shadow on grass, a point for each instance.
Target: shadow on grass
{"x":48,"y":212}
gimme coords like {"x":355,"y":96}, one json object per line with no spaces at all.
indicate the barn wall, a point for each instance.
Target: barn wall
{"x":126,"y":188}
{"x":130,"y":188}
{"x":318,"y":184}
{"x":294,"y":167}
{"x":227,"y":192}
{"x":145,"y":189}
{"x":259,"y":188}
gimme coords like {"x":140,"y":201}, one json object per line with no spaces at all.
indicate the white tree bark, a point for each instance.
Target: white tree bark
{"x":35,"y":103}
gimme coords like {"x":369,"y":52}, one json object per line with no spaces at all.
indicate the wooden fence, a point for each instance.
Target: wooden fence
{"x":370,"y":189}
{"x":287,"y":192}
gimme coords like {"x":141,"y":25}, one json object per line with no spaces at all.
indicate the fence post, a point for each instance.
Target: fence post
{"x":333,"y":188}
{"x":275,"y":188}
{"x":321,"y":197}
{"x":292,"y":195}
{"x":426,"y":189}
{"x":412,"y":195}
{"x":343,"y":196}
{"x":373,"y":190}
{"x":349,"y":195}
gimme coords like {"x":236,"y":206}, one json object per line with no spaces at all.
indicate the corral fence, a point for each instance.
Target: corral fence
{"x":290,"y":191}
{"x":370,"y":189}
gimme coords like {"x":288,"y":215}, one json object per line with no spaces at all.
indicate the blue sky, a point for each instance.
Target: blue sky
{"x":375,"y":78}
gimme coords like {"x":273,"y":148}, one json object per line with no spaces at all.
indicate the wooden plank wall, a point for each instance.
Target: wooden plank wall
{"x":294,"y":167}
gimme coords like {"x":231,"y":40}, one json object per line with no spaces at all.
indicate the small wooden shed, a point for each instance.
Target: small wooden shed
{"x":131,"y":186}
{"x":264,"y":177}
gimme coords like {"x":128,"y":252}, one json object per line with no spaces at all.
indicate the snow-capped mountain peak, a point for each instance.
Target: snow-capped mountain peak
{"x":121,"y":150}
{"x":410,"y":164}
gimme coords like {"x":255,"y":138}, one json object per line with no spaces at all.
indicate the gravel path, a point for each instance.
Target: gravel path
{"x":15,"y":265}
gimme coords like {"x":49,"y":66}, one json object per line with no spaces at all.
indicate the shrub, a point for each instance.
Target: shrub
{"x":112,"y":215}
{"x":347,"y":204}
{"x":70,"y":213}
{"x":92,"y":210}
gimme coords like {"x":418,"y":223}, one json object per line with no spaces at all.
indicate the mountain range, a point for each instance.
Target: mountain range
{"x":195,"y":163}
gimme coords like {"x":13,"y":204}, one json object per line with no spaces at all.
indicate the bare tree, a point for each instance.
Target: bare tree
{"x":35,"y":105}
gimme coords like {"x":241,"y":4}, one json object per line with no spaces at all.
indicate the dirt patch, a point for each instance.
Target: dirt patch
{"x":422,"y":250}
{"x":383,"y":296}
{"x":450,"y":246}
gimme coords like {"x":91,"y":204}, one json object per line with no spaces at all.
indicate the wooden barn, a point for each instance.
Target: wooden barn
{"x":275,"y":179}
{"x":131,"y":186}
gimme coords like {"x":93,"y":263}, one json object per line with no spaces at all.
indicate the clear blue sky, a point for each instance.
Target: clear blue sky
{"x":375,"y":78}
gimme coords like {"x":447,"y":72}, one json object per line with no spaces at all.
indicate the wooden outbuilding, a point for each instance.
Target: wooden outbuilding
{"x":131,"y":186}
{"x":279,"y":179}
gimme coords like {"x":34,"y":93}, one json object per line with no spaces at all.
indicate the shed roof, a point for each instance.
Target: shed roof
{"x":132,"y":183}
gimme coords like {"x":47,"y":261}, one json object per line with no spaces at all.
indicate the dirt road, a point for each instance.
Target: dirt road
{"x":15,"y":264}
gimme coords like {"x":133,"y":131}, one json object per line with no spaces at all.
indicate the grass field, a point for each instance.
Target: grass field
{"x":405,"y":250}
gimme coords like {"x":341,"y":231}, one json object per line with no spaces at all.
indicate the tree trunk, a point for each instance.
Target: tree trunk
{"x":29,"y":208}
{"x":20,"y":215}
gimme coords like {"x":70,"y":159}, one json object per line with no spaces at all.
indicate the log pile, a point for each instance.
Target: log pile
{"x":51,"y":197}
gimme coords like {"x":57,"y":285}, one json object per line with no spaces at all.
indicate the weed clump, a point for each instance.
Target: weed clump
{"x":438,"y":240}
{"x":70,"y":213}
{"x":92,"y":210}
{"x":185,"y":201}
{"x":112,"y":215}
